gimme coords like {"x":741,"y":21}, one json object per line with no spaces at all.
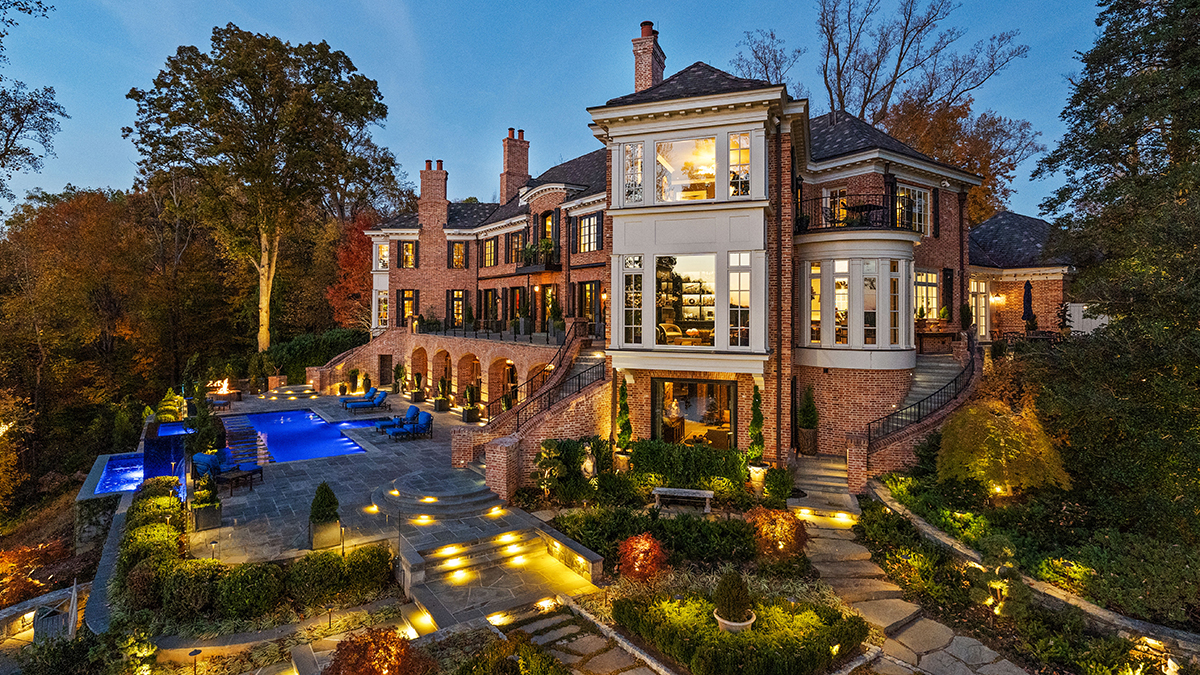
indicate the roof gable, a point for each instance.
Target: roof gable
{"x":698,"y":79}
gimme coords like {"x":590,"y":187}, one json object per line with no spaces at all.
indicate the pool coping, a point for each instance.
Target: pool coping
{"x":88,"y":491}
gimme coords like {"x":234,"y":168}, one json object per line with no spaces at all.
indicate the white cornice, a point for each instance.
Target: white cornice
{"x":691,"y":207}
{"x":692,"y":105}
{"x":683,"y":362}
{"x":585,"y":205}
{"x":880,"y":155}
{"x":1048,"y":273}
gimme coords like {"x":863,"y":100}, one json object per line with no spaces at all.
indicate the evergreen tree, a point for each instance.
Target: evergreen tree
{"x":624,"y":428}
{"x":755,"y":452}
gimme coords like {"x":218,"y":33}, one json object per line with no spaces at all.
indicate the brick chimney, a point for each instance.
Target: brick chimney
{"x":648,"y":58}
{"x":432,"y":207}
{"x":516,"y":165}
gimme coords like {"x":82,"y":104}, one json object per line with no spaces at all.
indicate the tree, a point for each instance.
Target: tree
{"x":350,"y":297}
{"x":767,"y":59}
{"x":265,"y":128}
{"x":624,"y":427}
{"x":380,"y":651}
{"x":15,"y":425}
{"x":28,"y":118}
{"x":754,"y":453}
{"x":1004,"y":451}
{"x":867,"y":59}
{"x":987,"y":144}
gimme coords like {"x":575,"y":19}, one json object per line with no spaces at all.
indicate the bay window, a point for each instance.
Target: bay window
{"x":814,"y":303}
{"x":685,"y":300}
{"x":868,"y":308}
{"x":633,"y":299}
{"x":841,"y":301}
{"x":894,"y":301}
{"x":870,"y":297}
{"x":686,"y":170}
{"x":739,"y":165}
{"x":633,"y":173}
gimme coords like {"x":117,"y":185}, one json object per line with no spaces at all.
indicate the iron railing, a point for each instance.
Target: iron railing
{"x":546,"y":400}
{"x":492,"y":330}
{"x":523,"y":391}
{"x":864,"y":211}
{"x":910,"y":415}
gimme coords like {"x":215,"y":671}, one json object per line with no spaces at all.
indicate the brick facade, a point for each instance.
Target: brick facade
{"x":847,"y":400}
{"x":1048,"y":296}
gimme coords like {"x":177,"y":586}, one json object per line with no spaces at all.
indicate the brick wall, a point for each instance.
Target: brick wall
{"x":945,"y":251}
{"x":848,"y":399}
{"x":1048,"y":295}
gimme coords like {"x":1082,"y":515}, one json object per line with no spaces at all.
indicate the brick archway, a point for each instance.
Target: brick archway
{"x":419,"y":364}
{"x":439,"y":368}
{"x":501,"y":376}
{"x":469,"y":372}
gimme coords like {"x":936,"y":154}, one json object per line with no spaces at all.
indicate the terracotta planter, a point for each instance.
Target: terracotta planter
{"x":806,"y":441}
{"x":207,"y":517}
{"x":324,"y":535}
{"x":734,"y":626}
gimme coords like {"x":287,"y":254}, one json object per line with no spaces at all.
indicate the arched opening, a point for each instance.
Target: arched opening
{"x":440,"y":368}
{"x":502,"y":383}
{"x":419,"y":364}
{"x":469,"y":373}
{"x":538,"y":374}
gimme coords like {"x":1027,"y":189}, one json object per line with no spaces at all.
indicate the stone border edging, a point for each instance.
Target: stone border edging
{"x":97,"y":614}
{"x":1170,"y":641}
{"x":611,"y":634}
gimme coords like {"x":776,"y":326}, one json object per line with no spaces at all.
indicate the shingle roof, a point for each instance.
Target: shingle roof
{"x":848,"y":135}
{"x":588,"y":172}
{"x":698,"y":79}
{"x":461,"y":216}
{"x":1010,"y":240}
{"x":402,"y":221}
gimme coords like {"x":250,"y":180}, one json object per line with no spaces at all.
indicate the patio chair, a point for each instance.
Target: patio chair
{"x":422,"y":427}
{"x":379,"y":401}
{"x":359,"y":399}
{"x":410,"y":417}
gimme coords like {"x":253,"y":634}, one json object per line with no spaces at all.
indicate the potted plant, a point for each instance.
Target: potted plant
{"x":324,"y":524}
{"x":922,"y":324}
{"x":399,"y":375}
{"x":206,"y":505}
{"x":418,"y":393}
{"x":442,"y":402}
{"x":806,"y":424}
{"x":470,"y":412}
{"x":468,"y":317}
{"x":732,"y":600}
{"x":556,"y":322}
{"x":366,"y":381}
{"x":352,"y":379}
{"x":546,"y":249}
{"x":966,"y":316}
{"x":943,"y":318}
{"x":754,"y":454}
{"x":341,"y":388}
{"x":621,"y":453}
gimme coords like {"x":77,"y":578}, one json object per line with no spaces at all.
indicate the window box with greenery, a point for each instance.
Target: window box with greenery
{"x":418,"y":392}
{"x":470,"y":411}
{"x":442,"y":402}
{"x":324,"y":524}
{"x":206,"y":505}
{"x":806,"y":424}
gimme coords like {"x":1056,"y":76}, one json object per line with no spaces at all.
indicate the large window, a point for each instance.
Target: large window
{"x":894,"y":301}
{"x":381,"y":256}
{"x":489,"y":307}
{"x":841,"y":301}
{"x":381,"y":309}
{"x":814,"y":303}
{"x":739,"y":299}
{"x":408,"y":254}
{"x":489,"y":252}
{"x":870,"y":300}
{"x":925,"y":295}
{"x":686,"y":170}
{"x":633,"y":299}
{"x":685,"y":300}
{"x":979,"y":305}
{"x":408,"y":305}
{"x":547,"y":227}
{"x":633,"y":173}
{"x":458,"y":255}
{"x":696,"y":410}
{"x":455,"y":310}
{"x":739,"y":165}
{"x":516,"y":247}
{"x":835,"y":206}
{"x":912,"y":208}
{"x":587,"y":235}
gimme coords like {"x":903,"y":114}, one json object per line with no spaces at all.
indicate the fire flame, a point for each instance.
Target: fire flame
{"x":221,"y":385}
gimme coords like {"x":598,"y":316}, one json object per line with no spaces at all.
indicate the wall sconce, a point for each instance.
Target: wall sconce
{"x":997,"y":299}
{"x":537,"y":289}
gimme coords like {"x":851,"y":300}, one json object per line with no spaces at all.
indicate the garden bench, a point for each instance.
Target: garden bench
{"x":304,"y":660}
{"x":681,"y":493}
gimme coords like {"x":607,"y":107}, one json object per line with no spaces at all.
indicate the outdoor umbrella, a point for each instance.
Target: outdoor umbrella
{"x":1027,"y":313}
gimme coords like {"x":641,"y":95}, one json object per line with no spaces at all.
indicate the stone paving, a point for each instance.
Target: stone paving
{"x":270,"y":521}
{"x":577,"y":645}
{"x":914,"y":643}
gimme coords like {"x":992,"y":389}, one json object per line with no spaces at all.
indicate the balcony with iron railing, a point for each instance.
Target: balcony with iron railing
{"x":861,"y":212}
{"x":542,"y":256}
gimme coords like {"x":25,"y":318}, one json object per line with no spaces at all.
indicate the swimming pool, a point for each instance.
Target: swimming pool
{"x":121,"y":473}
{"x":301,"y":434}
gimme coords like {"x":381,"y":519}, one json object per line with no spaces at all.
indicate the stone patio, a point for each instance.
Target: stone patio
{"x":270,"y":521}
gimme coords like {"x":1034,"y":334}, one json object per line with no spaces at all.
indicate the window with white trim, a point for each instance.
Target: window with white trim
{"x":739,"y":299}
{"x":408,"y":254}
{"x":633,"y":173}
{"x":633,"y":299}
{"x":925,"y":295}
{"x":381,"y":309}
{"x":894,"y":302}
{"x":739,"y":165}
{"x":841,"y":301}
{"x":381,"y":256}
{"x":912,"y":208}
{"x":814,"y":302}
{"x":870,"y":300}
{"x":686,"y":170}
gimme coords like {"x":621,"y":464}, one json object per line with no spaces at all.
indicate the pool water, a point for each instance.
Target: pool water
{"x":301,"y":434}
{"x":121,"y":473}
{"x":172,"y":429}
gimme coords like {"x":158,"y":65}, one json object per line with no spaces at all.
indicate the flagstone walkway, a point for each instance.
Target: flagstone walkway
{"x":914,"y":642}
{"x":576,"y":643}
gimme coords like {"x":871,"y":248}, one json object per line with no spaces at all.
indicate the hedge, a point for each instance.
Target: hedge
{"x":688,"y":466}
{"x":316,"y":579}
{"x":147,"y":541}
{"x":190,"y":588}
{"x":155,"y":510}
{"x":249,"y":590}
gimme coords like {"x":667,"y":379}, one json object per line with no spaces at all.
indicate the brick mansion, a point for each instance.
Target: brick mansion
{"x":719,"y":239}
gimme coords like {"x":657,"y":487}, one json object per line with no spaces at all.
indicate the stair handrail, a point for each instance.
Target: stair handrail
{"x":523,"y":391}
{"x":575,"y":384}
{"x":912,"y":414}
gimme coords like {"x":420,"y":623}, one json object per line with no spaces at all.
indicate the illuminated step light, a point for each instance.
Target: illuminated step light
{"x":395,"y":493}
{"x":454,"y":562}
{"x":512,"y":549}
{"x":423,"y":520}
{"x":842,"y":516}
{"x":371,"y":509}
{"x":547,"y":604}
{"x":519,"y":560}
{"x":496,"y":511}
{"x":460,"y":576}
{"x":428,"y":500}
{"x":505,"y":538}
{"x":806,"y":512}
{"x":449,"y":550}
{"x":499,"y":619}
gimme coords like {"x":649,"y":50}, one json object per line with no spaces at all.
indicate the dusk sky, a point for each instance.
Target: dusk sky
{"x":456,"y":75}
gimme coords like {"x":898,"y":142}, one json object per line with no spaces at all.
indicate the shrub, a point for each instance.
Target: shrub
{"x":147,"y":541}
{"x":190,"y":587}
{"x":369,"y":569}
{"x":754,"y":453}
{"x":206,"y":493}
{"x":249,"y":590}
{"x":642,"y":557}
{"x":324,"y":507}
{"x":161,"y":486}
{"x":515,"y":656}
{"x":732,"y":598}
{"x":806,"y":417}
{"x":143,"y":584}
{"x":778,"y":532}
{"x":379,"y":651}
{"x":687,"y":466}
{"x":614,"y":489}
{"x":316,"y":579}
{"x":624,"y":427}
{"x":779,"y":484}
{"x":987,"y":442}
{"x":155,"y":510}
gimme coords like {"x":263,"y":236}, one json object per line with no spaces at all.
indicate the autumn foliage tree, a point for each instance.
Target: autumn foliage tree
{"x":642,"y":557}
{"x":350,"y":296}
{"x":379,"y":651}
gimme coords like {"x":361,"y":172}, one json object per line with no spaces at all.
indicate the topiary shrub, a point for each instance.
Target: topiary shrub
{"x":778,"y":532}
{"x":249,"y":590}
{"x":155,"y":511}
{"x":144,"y":583}
{"x":369,"y":569}
{"x":316,"y":579}
{"x":732,"y":598}
{"x":161,"y":486}
{"x":642,"y":557}
{"x":190,"y":587}
{"x":778,"y":484}
{"x":324,"y":505}
{"x":147,"y":541}
{"x":806,"y":417}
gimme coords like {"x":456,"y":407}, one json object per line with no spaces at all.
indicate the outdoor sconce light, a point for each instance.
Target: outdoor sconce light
{"x":997,"y":299}
{"x":537,"y":289}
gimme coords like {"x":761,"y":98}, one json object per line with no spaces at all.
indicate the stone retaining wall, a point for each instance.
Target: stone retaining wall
{"x":19,"y":617}
{"x":1166,"y":644}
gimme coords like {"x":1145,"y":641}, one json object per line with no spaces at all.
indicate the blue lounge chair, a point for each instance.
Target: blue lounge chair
{"x":410,"y":417}
{"x":379,"y":401}
{"x":359,"y":399}
{"x":422,"y":427}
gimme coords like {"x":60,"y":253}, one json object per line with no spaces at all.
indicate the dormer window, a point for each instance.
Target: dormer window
{"x":633,"y":173}
{"x":686,"y":170}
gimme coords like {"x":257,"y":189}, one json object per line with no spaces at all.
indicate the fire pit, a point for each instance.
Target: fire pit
{"x":222,"y":392}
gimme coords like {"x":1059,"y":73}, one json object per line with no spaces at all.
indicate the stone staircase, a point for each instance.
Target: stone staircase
{"x":436,"y":495}
{"x":822,"y":479}
{"x":587,"y":358}
{"x":933,"y":372}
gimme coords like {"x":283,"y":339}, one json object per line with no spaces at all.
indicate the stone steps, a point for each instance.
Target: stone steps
{"x":931,"y":374}
{"x":823,"y":480}
{"x":481,"y":555}
{"x":462,"y":495}
{"x":477,"y":467}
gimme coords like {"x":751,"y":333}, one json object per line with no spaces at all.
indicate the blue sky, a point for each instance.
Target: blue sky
{"x":456,"y":75}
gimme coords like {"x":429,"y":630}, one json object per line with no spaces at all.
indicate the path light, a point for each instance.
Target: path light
{"x":194,"y":653}
{"x":213,"y":546}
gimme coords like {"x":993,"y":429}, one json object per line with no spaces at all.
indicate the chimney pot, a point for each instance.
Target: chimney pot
{"x":428,"y":164}
{"x":520,"y":134}
{"x":439,"y":165}
{"x":647,"y":28}
{"x":510,"y":132}
{"x":648,"y":58}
